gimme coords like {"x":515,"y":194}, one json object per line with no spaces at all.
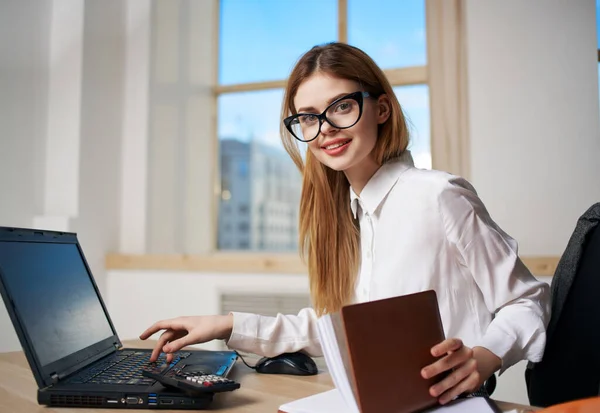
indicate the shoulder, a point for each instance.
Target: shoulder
{"x":452,"y":196}
{"x":438,"y":184}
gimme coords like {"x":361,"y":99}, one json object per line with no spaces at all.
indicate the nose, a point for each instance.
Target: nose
{"x":327,"y":128}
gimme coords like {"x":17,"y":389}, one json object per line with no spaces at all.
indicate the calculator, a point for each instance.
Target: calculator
{"x":192,"y":382}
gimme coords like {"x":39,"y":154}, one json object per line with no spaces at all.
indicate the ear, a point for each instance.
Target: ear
{"x":384,"y":108}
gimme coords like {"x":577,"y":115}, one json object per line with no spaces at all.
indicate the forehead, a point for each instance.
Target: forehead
{"x":316,"y":91}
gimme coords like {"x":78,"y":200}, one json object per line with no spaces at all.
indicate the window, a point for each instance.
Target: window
{"x":391,"y":32}
{"x":259,"y":42}
{"x":415,"y":104}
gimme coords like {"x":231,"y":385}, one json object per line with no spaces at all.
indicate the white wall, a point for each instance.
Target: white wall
{"x":181,"y":129}
{"x":165,"y":294}
{"x":534,"y":123}
{"x":99,"y":191}
{"x":24,"y":32}
{"x":24,"y":54}
{"x":534,"y":117}
{"x":61,"y":105}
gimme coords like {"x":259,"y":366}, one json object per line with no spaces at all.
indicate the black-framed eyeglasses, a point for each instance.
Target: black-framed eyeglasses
{"x":343,"y":113}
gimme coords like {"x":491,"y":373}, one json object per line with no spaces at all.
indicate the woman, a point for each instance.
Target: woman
{"x":374,"y":226}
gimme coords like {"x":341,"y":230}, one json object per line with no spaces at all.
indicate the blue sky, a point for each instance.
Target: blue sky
{"x":262,"y":39}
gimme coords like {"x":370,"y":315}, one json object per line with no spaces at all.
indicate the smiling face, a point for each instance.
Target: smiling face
{"x":348,"y":150}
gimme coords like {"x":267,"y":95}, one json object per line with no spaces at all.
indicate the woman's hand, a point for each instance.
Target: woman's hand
{"x":183,"y":331}
{"x":470,"y":368}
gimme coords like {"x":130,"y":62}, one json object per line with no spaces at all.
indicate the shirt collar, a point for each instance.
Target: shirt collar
{"x":380,"y":184}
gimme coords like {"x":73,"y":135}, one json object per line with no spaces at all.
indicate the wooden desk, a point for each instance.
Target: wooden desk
{"x":259,"y":393}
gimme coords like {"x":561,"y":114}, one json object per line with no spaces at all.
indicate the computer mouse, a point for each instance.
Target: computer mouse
{"x":298,"y":364}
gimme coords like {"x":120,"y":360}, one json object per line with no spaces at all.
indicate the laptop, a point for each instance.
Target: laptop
{"x":68,"y":337}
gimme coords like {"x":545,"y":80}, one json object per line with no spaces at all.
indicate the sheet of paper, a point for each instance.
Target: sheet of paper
{"x":328,"y":402}
{"x":470,"y":405}
{"x":332,"y":402}
{"x":335,"y":364}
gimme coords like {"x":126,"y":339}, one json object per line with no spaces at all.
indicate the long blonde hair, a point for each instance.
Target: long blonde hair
{"x":329,"y":235}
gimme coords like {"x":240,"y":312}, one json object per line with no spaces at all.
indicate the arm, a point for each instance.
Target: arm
{"x":520,"y":303}
{"x":269,"y":336}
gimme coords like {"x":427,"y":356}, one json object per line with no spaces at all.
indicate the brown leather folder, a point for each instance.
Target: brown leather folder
{"x":384,"y":345}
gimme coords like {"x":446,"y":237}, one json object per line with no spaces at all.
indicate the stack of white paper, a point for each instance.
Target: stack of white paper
{"x":335,"y":365}
{"x":328,"y":402}
{"x":332,"y":402}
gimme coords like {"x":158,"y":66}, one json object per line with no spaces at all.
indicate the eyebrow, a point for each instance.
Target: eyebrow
{"x":311,"y":109}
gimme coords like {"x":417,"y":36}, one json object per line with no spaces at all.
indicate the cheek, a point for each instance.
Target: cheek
{"x":314,"y":147}
{"x":316,"y":151}
{"x":366,"y":133}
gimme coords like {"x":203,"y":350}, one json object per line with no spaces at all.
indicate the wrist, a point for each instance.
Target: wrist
{"x":226,"y":326}
{"x":488,"y":363}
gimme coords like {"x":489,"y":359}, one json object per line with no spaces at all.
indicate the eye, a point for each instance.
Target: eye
{"x":308,"y":120}
{"x":344,"y":106}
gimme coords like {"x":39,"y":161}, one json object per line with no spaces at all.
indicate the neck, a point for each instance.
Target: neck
{"x":360,"y":174}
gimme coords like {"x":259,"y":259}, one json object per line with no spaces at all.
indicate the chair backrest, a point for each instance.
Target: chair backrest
{"x":570,"y":368}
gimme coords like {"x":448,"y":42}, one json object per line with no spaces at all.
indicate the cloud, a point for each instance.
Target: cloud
{"x":389,"y":51}
{"x":413,"y":97}
{"x":271,"y":137}
{"x":420,"y":34}
{"x":232,"y":130}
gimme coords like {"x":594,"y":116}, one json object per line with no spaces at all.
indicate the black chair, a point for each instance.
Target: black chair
{"x":570,"y":368}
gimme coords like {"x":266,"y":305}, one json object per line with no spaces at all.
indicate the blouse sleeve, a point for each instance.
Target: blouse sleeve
{"x":520,"y":304}
{"x":270,"y":336}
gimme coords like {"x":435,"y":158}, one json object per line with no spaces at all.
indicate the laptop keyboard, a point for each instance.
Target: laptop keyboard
{"x":122,"y":367}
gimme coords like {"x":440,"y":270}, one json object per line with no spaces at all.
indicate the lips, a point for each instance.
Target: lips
{"x":334,"y":144}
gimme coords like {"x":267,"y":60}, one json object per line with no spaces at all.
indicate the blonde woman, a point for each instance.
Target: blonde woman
{"x":373,"y":226}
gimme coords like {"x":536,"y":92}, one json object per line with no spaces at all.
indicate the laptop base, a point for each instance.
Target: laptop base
{"x":130,"y":400}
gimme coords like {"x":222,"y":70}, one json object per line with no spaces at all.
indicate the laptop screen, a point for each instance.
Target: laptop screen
{"x":53,"y":292}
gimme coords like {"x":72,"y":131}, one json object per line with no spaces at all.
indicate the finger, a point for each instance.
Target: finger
{"x":469,"y":384}
{"x":159,"y":325}
{"x":164,"y":338}
{"x":446,"y":346}
{"x":453,"y":379}
{"x":447,"y":363}
{"x":177,"y":344}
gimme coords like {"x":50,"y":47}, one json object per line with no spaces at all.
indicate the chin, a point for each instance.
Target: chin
{"x":339,"y":165}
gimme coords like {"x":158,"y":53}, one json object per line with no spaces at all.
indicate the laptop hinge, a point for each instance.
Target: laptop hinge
{"x":54,"y":378}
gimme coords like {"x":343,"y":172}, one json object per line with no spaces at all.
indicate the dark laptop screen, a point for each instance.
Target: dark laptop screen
{"x":53,"y":292}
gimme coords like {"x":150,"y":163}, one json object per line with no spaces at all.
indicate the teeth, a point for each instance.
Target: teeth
{"x":337,"y":145}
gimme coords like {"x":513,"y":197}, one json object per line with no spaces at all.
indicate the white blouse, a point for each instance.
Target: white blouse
{"x":422,"y":230}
